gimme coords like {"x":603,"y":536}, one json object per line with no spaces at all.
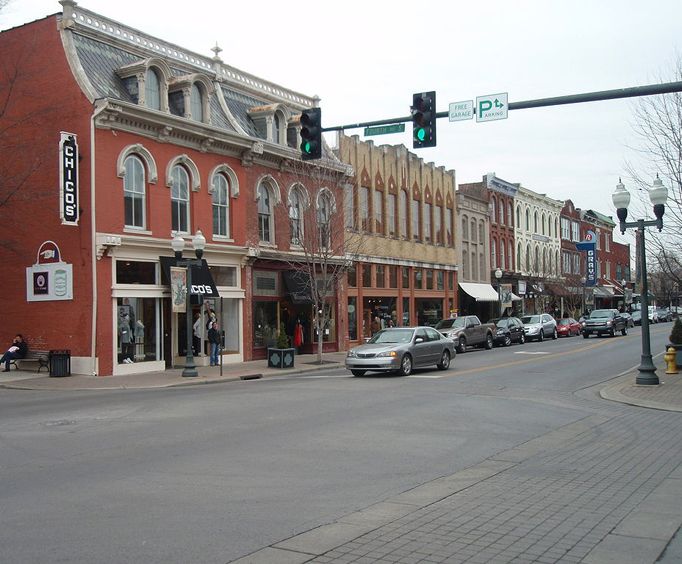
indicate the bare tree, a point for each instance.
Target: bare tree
{"x":658,"y":125}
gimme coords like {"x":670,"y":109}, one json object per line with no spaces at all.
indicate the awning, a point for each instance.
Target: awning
{"x":558,"y":290}
{"x":603,"y":292}
{"x":481,"y":292}
{"x":516,"y":298}
{"x":203,"y":285}
{"x":298,"y":285}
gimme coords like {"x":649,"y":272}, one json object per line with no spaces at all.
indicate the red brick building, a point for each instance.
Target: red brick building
{"x":121,"y":141}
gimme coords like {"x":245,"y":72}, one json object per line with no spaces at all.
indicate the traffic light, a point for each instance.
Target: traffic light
{"x":311,"y":134}
{"x":423,"y":120}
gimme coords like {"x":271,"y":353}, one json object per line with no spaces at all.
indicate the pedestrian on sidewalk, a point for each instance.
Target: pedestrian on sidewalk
{"x":18,"y":349}
{"x":214,"y":343}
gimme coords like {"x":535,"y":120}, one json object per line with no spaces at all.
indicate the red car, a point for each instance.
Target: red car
{"x":567,"y":327}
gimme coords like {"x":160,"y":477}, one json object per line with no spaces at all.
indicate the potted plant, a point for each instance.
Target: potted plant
{"x":676,"y":341}
{"x":282,"y":355}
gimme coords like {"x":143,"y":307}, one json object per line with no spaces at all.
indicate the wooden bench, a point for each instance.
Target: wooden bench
{"x":41,"y":357}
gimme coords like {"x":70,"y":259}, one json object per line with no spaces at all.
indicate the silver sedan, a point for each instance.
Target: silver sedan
{"x":400,"y":349}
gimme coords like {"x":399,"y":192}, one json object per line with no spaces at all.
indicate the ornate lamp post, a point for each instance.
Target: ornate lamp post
{"x":498,"y":275}
{"x":658,"y":194}
{"x":583,"y":281}
{"x":178,"y":244}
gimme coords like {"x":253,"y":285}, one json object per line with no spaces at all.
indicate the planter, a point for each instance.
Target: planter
{"x":281,"y":358}
{"x":678,"y":349}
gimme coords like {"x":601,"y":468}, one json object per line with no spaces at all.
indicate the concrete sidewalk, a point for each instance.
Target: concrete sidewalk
{"x":26,"y":380}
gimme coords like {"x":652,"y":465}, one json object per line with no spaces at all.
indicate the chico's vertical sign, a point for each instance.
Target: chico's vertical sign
{"x":68,"y":179}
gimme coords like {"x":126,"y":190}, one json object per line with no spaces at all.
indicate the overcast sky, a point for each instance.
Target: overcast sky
{"x":366,"y":58}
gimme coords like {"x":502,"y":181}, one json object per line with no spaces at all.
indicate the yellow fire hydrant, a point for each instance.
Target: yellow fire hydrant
{"x":670,"y":358}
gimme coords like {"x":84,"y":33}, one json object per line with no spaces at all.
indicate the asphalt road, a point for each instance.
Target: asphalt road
{"x":210,"y":473}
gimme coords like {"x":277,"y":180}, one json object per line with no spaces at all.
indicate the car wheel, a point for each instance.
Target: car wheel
{"x":612,"y":332}
{"x":358,"y":372}
{"x":586,"y":335}
{"x":507,"y":341}
{"x":462,"y":346}
{"x":489,"y":342}
{"x":522,"y":339}
{"x":541,"y":336}
{"x":444,"y":363}
{"x":406,"y":365}
{"x":555,"y":335}
{"x":624,"y":331}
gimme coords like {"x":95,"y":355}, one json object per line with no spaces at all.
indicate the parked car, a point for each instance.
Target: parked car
{"x":605,"y":322}
{"x":637,"y":317}
{"x":400,"y":349}
{"x":539,"y":326}
{"x":508,"y":330}
{"x":567,"y":327}
{"x":664,"y":314}
{"x":467,"y":330}
{"x":628,"y":318}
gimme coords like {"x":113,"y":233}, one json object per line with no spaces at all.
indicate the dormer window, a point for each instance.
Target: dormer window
{"x":147,"y":82}
{"x":272,"y":124}
{"x":196,"y":103}
{"x":189,"y":97}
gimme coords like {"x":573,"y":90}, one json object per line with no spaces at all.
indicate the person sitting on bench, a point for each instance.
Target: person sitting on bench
{"x":18,"y":349}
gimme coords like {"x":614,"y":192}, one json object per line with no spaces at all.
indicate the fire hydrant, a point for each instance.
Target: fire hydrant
{"x":670,"y":358}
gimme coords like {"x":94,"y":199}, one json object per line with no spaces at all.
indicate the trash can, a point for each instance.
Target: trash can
{"x":60,"y":363}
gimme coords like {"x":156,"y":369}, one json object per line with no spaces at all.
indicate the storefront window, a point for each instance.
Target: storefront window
{"x":381,"y":277}
{"x":367,"y":275}
{"x":418,"y":276}
{"x":137,"y":323}
{"x":429,"y":279}
{"x":393,"y":276}
{"x":429,"y":311}
{"x":224,"y":275}
{"x":264,"y":323}
{"x":352,"y":277}
{"x":406,"y":312}
{"x":353,"y":319}
{"x":406,"y":277}
{"x":135,"y":272}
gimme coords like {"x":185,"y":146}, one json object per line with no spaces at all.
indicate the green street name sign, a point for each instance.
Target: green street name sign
{"x":384,"y":129}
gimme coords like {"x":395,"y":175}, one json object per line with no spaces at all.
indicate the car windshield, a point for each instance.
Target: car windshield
{"x":450,"y":323}
{"x":504,"y":322}
{"x":386,"y":336}
{"x":600,"y":313}
{"x":564,"y":322}
{"x":530,"y":319}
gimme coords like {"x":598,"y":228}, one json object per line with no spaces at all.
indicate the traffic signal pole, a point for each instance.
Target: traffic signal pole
{"x":632,"y":92}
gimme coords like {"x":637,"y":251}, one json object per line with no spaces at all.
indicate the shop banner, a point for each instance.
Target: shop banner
{"x":68,"y":179}
{"x":506,"y":295}
{"x":178,"y":285}
{"x":589,"y":245}
{"x":50,"y":278}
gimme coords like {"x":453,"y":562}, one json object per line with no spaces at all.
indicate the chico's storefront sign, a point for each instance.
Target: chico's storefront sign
{"x":68,"y":179}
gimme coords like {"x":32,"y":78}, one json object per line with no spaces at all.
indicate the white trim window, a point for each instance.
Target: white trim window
{"x":565,"y":228}
{"x":266,"y":232}
{"x":134,"y":196}
{"x":196,"y":103}
{"x":152,"y":89}
{"x":180,"y":199}
{"x":296,"y":215}
{"x":221,"y":205}
{"x":324,"y":214}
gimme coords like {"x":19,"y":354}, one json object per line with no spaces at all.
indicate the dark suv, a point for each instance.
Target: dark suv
{"x":605,"y":322}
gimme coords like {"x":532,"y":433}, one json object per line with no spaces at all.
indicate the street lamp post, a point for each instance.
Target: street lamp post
{"x":178,"y":244}
{"x":583,"y":281}
{"x":498,"y":275}
{"x":658,"y":194}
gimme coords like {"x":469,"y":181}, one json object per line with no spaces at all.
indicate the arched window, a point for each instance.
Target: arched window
{"x":510,"y":215}
{"x":266,"y":232}
{"x":501,"y":213}
{"x":518,"y":216}
{"x":465,"y":265}
{"x":535,"y":222}
{"x":152,"y":90}
{"x":545,"y":263}
{"x":493,"y":208}
{"x":474,"y":266}
{"x":134,"y":193}
{"x":527,"y":219}
{"x":324,"y":214}
{"x":196,"y":103}
{"x":277,"y":126}
{"x":536,"y":262}
{"x":503,"y":262}
{"x":438,"y":224}
{"x":481,"y":264}
{"x":519,"y":258}
{"x":416,"y":220}
{"x":481,"y":232}
{"x":544,"y":225}
{"x":465,"y":228}
{"x":473,"y":233}
{"x":493,"y":253}
{"x":529,"y":257}
{"x":180,"y":199}
{"x":511,"y":256}
{"x":296,"y":215}
{"x":221,"y":205}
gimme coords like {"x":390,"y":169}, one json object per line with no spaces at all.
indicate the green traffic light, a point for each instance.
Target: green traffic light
{"x":421,"y":134}
{"x":307,"y":148}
